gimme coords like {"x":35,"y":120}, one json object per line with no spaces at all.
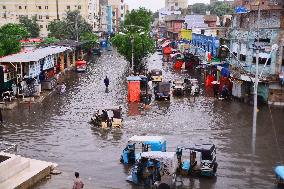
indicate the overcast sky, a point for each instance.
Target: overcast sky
{"x":155,"y":4}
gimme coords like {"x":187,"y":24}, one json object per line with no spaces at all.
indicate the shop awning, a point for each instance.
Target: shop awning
{"x":35,"y":55}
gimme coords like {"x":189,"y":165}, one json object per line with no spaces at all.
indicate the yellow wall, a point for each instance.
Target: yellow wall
{"x":186,"y":34}
{"x":45,"y":10}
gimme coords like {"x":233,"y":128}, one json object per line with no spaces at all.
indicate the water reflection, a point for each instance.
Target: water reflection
{"x":57,"y":130}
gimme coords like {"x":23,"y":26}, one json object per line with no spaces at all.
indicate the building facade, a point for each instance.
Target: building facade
{"x":176,"y":4}
{"x":119,"y":10}
{"x":244,"y":42}
{"x":46,"y":11}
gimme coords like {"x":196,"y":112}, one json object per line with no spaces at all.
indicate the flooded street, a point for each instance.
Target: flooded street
{"x":57,"y":130}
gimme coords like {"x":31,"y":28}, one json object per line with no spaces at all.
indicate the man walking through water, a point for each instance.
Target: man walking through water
{"x":78,"y":183}
{"x":106,"y":81}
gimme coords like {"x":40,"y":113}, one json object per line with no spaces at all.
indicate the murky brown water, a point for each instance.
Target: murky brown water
{"x":57,"y":131}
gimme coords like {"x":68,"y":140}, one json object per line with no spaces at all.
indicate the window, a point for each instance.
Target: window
{"x":39,"y":16}
{"x":121,"y":7}
{"x":121,"y":15}
{"x":4,"y":7}
{"x":79,"y":6}
{"x":176,"y":4}
{"x":41,"y":26}
{"x":47,"y":17}
{"x":113,"y":13}
{"x":46,"y":7}
{"x":68,"y":7}
{"x":25,"y":7}
{"x":20,"y":7}
{"x":39,"y":7}
{"x":46,"y":26}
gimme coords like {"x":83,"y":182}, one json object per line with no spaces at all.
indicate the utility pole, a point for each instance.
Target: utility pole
{"x":132,"y":56}
{"x":57,"y":10}
{"x":255,"y":86}
{"x":76,"y":27}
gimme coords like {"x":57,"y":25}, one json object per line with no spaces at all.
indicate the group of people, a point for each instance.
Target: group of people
{"x":225,"y":93}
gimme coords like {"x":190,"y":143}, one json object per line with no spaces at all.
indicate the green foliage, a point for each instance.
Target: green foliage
{"x":137,"y":26}
{"x":57,"y":29}
{"x":140,"y":18}
{"x":220,"y":9}
{"x":91,"y":40}
{"x":199,"y":8}
{"x":31,"y":25}
{"x":50,"y":40}
{"x":10,"y":34}
{"x":71,"y":26}
{"x":16,"y":31}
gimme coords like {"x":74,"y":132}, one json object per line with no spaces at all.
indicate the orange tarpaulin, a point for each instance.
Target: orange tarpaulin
{"x":134,"y":91}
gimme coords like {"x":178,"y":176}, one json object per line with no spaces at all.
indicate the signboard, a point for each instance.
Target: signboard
{"x":241,"y":10}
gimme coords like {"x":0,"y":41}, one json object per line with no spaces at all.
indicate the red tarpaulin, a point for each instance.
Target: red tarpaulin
{"x":167,"y":50}
{"x":209,"y":81}
{"x":178,"y":64}
{"x":134,"y":91}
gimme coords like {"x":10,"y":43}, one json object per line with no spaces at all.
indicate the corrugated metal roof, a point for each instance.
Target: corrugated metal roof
{"x":35,"y":55}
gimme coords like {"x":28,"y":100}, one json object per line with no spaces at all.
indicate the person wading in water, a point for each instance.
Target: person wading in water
{"x":106,"y":81}
{"x":78,"y":183}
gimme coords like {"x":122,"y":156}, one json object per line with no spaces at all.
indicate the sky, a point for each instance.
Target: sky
{"x":154,"y":5}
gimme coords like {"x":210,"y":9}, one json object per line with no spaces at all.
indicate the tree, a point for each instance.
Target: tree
{"x":49,"y":40}
{"x":10,"y":35}
{"x":16,"y":31}
{"x":199,"y":8}
{"x":139,"y":17}
{"x":137,"y":26}
{"x":57,"y":29}
{"x":90,"y":39}
{"x":31,"y":25}
{"x":220,"y":9}
{"x":71,"y":27}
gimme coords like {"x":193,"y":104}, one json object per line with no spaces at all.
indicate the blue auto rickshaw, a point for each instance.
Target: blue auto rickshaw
{"x":138,"y":144}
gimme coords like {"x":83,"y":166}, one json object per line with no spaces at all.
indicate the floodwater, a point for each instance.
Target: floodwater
{"x":57,"y":130}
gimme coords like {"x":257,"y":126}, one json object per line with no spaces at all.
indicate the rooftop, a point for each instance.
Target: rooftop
{"x":35,"y":55}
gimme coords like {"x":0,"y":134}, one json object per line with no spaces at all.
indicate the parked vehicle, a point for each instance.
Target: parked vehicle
{"x":138,"y":144}
{"x":207,"y":165}
{"x":279,"y":173}
{"x":81,"y":65}
{"x":162,"y":90}
{"x":156,"y":75}
{"x":108,"y":117}
{"x":195,"y":90}
{"x":178,"y":87}
{"x":154,"y":169}
{"x":145,"y":91}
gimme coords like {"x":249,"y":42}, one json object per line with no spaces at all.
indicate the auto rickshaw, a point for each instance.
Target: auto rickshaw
{"x":81,"y":65}
{"x":162,"y":90}
{"x":108,"y":117}
{"x":195,"y":90}
{"x":156,"y":75}
{"x":145,"y":91}
{"x":178,"y":87}
{"x":207,"y":165}
{"x":154,"y":169}
{"x":140,"y":144}
{"x":279,"y":173}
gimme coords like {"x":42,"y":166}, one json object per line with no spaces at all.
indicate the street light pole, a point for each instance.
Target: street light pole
{"x":255,"y":87}
{"x":132,"y":54}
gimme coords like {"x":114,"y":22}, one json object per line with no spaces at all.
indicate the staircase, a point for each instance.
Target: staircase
{"x":21,"y":173}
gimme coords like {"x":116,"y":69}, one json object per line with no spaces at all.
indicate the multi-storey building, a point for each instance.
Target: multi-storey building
{"x":118,"y":13}
{"x":46,"y":11}
{"x":176,"y":4}
{"x":250,"y":32}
